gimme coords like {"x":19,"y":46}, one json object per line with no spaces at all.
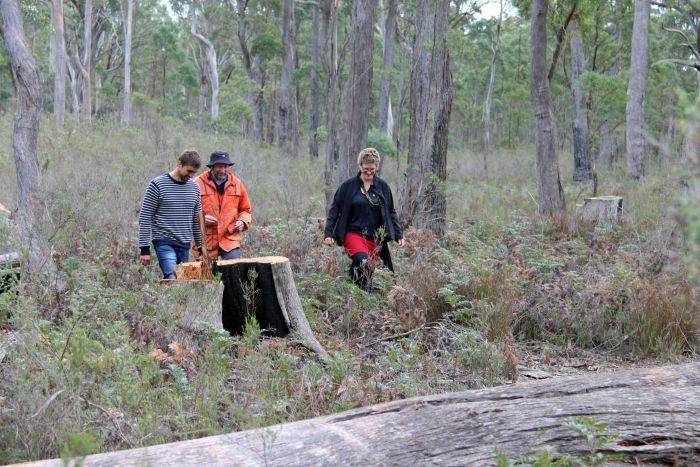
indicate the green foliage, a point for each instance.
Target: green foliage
{"x":381,"y":141}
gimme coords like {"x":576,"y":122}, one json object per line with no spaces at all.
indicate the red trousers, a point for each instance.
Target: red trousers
{"x":355,"y":243}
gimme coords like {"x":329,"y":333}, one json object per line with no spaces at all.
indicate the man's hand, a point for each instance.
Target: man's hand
{"x":145,"y":259}
{"x":210,"y":220}
{"x":401,"y":242}
{"x":328,"y":241}
{"x":237,"y":227}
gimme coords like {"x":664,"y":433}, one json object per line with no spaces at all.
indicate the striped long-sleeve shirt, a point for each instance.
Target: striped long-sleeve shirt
{"x":169,"y":213}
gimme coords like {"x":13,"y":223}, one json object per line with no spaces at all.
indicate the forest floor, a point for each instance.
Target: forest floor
{"x":105,"y":365}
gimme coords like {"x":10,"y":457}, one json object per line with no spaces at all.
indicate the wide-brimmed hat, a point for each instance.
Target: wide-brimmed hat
{"x":219,"y":157}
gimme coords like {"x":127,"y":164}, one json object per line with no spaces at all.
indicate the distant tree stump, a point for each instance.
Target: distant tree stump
{"x":602,"y":210}
{"x":264,"y":287}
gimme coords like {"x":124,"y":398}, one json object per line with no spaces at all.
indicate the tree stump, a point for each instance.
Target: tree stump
{"x":602,"y":210}
{"x":654,"y":411}
{"x":264,"y":287}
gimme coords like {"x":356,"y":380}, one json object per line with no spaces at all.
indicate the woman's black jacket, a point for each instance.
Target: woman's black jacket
{"x":338,"y":214}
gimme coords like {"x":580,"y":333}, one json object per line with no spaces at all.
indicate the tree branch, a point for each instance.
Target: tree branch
{"x":561,"y":33}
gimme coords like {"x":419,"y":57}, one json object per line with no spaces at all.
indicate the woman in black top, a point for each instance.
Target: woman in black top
{"x":363,"y":220}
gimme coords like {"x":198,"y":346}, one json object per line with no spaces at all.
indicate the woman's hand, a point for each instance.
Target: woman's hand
{"x":401,"y":242}
{"x":328,"y":241}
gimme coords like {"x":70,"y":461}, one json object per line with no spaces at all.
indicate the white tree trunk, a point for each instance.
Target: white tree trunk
{"x":486,"y":146}
{"x":86,"y":65}
{"x":126,"y":113}
{"x":59,"y":62}
{"x":331,"y":104}
{"x":389,"y":36}
{"x":212,"y":64}
{"x":636,"y":91}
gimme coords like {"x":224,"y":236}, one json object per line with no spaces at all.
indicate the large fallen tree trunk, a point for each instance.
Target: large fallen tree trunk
{"x":656,"y":412}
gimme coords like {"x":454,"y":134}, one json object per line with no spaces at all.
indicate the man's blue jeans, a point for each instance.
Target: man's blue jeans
{"x":170,"y":256}
{"x":233,"y":254}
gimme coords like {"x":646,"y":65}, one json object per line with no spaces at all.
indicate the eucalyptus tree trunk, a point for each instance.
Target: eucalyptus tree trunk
{"x":550,"y":192}
{"x":357,"y":95}
{"x":59,"y":62}
{"x":582,"y":161}
{"x":486,"y":141}
{"x":86,"y":64}
{"x":75,"y":101}
{"x":126,"y":113}
{"x":31,"y":213}
{"x":331,"y":101}
{"x":212,"y":64}
{"x":255,"y":97}
{"x":423,"y":202}
{"x":284,"y":127}
{"x":384,"y":110}
{"x":315,"y":88}
{"x":609,"y":146}
{"x":636,"y":91}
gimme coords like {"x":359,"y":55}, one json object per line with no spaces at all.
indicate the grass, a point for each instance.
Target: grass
{"x":108,"y":365}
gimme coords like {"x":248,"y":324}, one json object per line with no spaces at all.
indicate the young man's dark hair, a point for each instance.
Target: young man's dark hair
{"x":190,"y":157}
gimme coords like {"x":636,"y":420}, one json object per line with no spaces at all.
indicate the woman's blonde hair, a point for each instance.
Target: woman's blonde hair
{"x":369,"y":156}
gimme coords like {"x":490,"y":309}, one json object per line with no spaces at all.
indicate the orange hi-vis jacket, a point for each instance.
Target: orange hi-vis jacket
{"x":228,"y":208}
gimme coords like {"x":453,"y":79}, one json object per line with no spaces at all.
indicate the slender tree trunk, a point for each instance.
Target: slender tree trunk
{"x":357,"y":103}
{"x":126,"y":114}
{"x":212,"y":63}
{"x":315,"y":88}
{"x":486,"y":141}
{"x":437,"y":197}
{"x":272,"y":103}
{"x":31,"y":214}
{"x":636,"y":92}
{"x":284,"y":126}
{"x":86,"y":65}
{"x":331,"y":109}
{"x":385,"y":87}
{"x":582,"y":161}
{"x":75,"y":102}
{"x":550,"y":192}
{"x":59,"y":64}
{"x":424,"y":197}
{"x":254,"y":97}
{"x":609,"y":146}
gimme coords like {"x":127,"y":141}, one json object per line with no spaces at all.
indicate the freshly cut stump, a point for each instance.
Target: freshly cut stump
{"x":264,"y":287}
{"x":603,"y":210}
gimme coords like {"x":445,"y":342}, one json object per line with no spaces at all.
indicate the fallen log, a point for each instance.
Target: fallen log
{"x":264,"y":287}
{"x":655,"y":412}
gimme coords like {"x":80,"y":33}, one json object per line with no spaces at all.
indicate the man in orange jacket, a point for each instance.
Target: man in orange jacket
{"x":226,"y":207}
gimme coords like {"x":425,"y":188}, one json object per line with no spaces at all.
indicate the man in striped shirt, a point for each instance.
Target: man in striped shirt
{"x":170,"y":213}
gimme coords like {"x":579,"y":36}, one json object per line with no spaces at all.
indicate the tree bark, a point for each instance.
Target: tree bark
{"x":582,"y":161}
{"x":284,"y":126}
{"x":31,"y":214}
{"x":255,"y":97}
{"x":86,"y":64}
{"x":212,"y":63}
{"x":486,"y":141}
{"x":385,"y":88}
{"x":314,"y":116}
{"x":653,"y":411}
{"x":550,"y":192}
{"x":331,"y":103}
{"x":357,"y":101}
{"x":126,"y":113}
{"x":636,"y":91}
{"x":59,"y":63}
{"x":430,"y":108}
{"x":264,"y":288}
